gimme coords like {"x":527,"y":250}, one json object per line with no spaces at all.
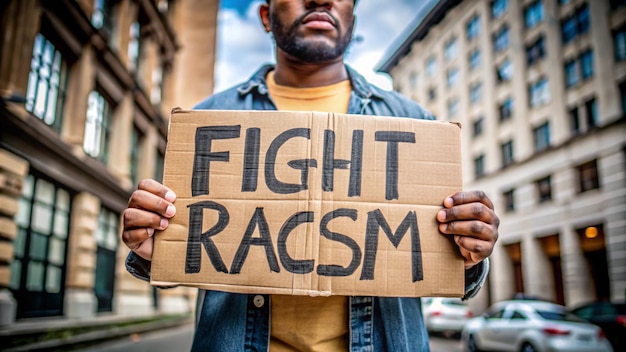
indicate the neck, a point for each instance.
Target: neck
{"x":295,"y":73}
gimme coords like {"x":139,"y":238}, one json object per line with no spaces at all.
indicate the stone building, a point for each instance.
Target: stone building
{"x":86,"y":87}
{"x":540,"y":89}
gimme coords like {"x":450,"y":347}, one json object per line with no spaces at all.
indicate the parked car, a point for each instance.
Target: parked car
{"x":610,"y":317}
{"x":445,"y":315}
{"x":528,"y":326}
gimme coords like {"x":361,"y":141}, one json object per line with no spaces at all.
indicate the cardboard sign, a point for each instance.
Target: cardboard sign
{"x":309,"y":203}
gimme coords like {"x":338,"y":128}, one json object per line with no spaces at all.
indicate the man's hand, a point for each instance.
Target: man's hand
{"x":470,"y":217}
{"x":149,"y":209}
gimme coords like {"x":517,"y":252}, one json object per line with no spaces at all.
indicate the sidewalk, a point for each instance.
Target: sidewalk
{"x":67,"y":335}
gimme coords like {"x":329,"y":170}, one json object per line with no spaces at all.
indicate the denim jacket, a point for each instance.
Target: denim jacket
{"x":241,"y":322}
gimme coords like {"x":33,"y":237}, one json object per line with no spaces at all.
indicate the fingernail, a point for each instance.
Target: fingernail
{"x":164,"y":223}
{"x":449,"y":201}
{"x":441,"y":215}
{"x":150,"y":231}
{"x":170,"y":211}
{"x":170,"y":196}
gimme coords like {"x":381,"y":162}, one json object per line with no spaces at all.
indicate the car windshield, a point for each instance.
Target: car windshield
{"x":454,"y":302}
{"x":559,"y":316}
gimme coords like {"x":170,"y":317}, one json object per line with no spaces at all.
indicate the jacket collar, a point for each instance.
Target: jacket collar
{"x":359,"y":84}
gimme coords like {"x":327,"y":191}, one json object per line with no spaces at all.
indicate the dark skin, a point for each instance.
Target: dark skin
{"x":468,"y":216}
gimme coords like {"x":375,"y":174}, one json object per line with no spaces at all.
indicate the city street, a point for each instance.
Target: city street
{"x":179,"y":339}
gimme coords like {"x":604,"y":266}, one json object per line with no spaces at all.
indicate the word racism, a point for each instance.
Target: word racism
{"x":205,"y":156}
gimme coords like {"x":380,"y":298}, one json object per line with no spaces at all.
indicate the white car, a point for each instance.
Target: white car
{"x":445,"y":315}
{"x":529,"y":326}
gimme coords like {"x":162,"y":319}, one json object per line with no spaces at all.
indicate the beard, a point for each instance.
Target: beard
{"x":288,"y":40}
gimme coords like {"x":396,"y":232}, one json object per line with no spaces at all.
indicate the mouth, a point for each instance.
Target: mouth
{"x":319,"y":20}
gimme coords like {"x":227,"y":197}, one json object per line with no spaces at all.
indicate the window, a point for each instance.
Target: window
{"x":136,"y":139}
{"x":535,"y":51}
{"x":619,"y":44}
{"x":102,"y":16}
{"x":544,"y":189}
{"x":134,"y":47}
{"x":571,"y":73}
{"x":579,"y":69}
{"x":509,"y":200}
{"x":431,"y":66}
{"x":157,"y":86}
{"x":46,"y":83}
{"x":498,"y":8}
{"x":38,"y":267}
{"x":615,"y":4}
{"x":541,"y":136}
{"x":539,"y":93}
{"x":473,"y":28}
{"x":505,"y":109}
{"x":479,"y":166}
{"x":507,"y":153}
{"x":533,"y":14}
{"x":477,"y":127}
{"x":107,"y":242}
{"x":501,"y":39}
{"x":586,"y":64}
{"x":504,"y":71}
{"x":591,"y":111}
{"x":588,"y":176}
{"x":158,"y":166}
{"x":474,"y":59}
{"x":453,"y":107}
{"x":452,"y":77}
{"x":97,"y":127}
{"x":432,"y":94}
{"x":475,"y":92}
{"x":451,"y":49}
{"x":413,"y":80}
{"x":574,"y":120}
{"x":576,"y":24}
{"x":622,"y":94}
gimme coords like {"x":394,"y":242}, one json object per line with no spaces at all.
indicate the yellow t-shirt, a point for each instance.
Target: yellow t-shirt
{"x":303,"y":323}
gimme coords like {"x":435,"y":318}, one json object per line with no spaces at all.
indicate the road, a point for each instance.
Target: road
{"x":179,"y":339}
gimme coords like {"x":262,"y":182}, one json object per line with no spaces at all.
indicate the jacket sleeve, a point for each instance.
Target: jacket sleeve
{"x":138,"y":267}
{"x":475,"y":278}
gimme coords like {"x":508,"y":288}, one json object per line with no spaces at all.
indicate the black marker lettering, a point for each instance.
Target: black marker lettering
{"x":265,"y":240}
{"x":338,"y":270}
{"x":393,"y":138}
{"x":290,"y":264}
{"x":272,"y":182}
{"x":251,"y":160}
{"x":376,"y":220}
{"x":330,"y":163}
{"x":203,"y":155}
{"x":193,"y":261}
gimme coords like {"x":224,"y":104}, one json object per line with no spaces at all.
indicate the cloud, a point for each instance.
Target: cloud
{"x":242,"y":46}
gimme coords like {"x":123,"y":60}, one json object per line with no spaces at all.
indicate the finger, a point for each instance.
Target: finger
{"x":157,"y":188}
{"x":140,"y":241}
{"x":134,"y":218}
{"x":470,"y":211}
{"x":473,"y":228}
{"x":473,"y":249}
{"x":468,"y":197}
{"x":151,"y":202}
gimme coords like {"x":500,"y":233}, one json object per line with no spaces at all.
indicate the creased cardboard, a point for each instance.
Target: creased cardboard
{"x":309,"y":203}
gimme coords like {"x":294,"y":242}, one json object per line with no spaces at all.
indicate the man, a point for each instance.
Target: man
{"x":311,"y":38}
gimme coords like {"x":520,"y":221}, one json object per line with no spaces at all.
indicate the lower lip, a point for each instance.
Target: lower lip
{"x":323,"y":25}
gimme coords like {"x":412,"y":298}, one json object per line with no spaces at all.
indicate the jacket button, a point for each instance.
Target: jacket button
{"x":258,"y":301}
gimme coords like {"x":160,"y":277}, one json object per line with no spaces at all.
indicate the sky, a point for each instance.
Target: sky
{"x":243,"y":45}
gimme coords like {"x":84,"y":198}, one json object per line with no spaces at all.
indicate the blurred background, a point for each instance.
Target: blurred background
{"x":86,"y":87}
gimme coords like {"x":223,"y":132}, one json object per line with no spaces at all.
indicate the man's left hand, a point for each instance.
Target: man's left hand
{"x":470,"y":217}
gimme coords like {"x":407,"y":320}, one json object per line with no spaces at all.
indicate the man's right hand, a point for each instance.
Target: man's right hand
{"x":149,"y":209}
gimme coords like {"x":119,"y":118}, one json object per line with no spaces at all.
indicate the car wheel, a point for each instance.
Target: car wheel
{"x":471,"y":344}
{"x":528,"y":347}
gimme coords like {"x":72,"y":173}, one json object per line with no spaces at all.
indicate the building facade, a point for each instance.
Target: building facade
{"x":86,"y":88}
{"x":539,"y":87}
